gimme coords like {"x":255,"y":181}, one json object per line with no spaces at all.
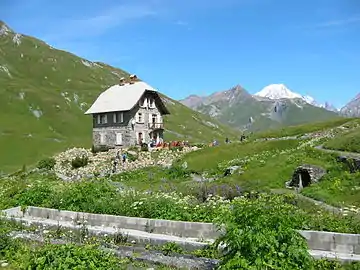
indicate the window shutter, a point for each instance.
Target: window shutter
{"x":121,"y":117}
{"x":114,"y":118}
{"x":105,"y":120}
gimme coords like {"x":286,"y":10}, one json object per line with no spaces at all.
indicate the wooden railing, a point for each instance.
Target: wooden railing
{"x":156,"y":125}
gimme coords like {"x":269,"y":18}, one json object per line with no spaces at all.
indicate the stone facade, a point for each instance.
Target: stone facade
{"x":128,"y":128}
{"x":308,"y":174}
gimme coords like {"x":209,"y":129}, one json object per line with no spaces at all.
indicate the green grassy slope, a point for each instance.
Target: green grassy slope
{"x":44,"y":93}
{"x":348,"y":142}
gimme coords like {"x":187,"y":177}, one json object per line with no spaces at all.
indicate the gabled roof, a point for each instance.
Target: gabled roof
{"x":120,"y":97}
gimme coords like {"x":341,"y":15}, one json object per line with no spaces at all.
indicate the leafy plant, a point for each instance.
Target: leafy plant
{"x":47,"y":163}
{"x":79,"y":161}
{"x":260,"y":235}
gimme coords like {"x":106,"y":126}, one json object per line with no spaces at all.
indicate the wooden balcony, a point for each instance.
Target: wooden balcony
{"x":154,"y":126}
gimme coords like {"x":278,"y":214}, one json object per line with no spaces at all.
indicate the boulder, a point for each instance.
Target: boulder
{"x":308,"y":174}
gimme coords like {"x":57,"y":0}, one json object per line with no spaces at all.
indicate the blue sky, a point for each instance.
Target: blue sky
{"x":187,"y":47}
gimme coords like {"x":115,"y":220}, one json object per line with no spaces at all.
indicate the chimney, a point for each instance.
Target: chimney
{"x":122,"y":81}
{"x":133,"y":79}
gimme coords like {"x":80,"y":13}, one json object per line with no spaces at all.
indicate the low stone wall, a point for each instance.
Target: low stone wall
{"x":319,"y":241}
{"x":157,"y":226}
{"x":334,"y":242}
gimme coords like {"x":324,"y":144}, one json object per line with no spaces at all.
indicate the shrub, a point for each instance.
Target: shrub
{"x":100,"y":148}
{"x":260,"y":235}
{"x":70,"y":256}
{"x":47,"y":163}
{"x":79,"y":161}
{"x":131,"y":157}
{"x":144,"y":147}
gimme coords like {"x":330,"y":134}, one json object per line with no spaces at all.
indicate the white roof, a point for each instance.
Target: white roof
{"x":119,"y":97}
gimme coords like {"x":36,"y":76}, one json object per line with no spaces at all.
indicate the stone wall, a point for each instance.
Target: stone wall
{"x":160,"y":231}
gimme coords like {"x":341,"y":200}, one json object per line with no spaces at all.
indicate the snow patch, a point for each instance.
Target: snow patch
{"x":6,"y":70}
{"x":4,"y":30}
{"x":21,"y":95}
{"x":17,"y":39}
{"x":65,"y":95}
{"x":115,"y":73}
{"x":68,"y":80}
{"x":87,"y":63}
{"x":36,"y":112}
{"x":83,"y":105}
{"x":22,"y":55}
{"x":76,"y":98}
{"x":53,"y":69}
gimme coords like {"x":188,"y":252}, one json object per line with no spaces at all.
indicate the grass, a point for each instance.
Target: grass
{"x":62,"y":86}
{"x":305,"y":128}
{"x":348,"y":142}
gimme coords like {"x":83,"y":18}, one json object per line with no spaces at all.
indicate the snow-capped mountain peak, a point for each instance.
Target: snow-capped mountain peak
{"x":277,"y":91}
{"x":280,"y":91}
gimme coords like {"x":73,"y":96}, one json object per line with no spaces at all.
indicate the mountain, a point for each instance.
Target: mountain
{"x":280,"y":91}
{"x":272,"y":107}
{"x":44,"y":93}
{"x":352,"y":109}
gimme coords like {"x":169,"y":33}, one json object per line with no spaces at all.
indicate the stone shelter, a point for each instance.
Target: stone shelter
{"x":129,"y":113}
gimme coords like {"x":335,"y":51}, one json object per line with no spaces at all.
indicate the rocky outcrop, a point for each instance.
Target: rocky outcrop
{"x":353,"y":163}
{"x":305,"y":175}
{"x":102,"y":163}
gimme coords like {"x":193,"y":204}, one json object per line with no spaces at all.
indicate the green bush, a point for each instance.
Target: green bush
{"x":79,"y":161}
{"x":47,"y":163}
{"x":260,"y":234}
{"x":131,"y":157}
{"x":71,"y":256}
{"x":144,"y":147}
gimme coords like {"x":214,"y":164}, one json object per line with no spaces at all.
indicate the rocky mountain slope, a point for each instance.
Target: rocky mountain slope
{"x":352,"y":109}
{"x":44,"y":93}
{"x":274,"y":106}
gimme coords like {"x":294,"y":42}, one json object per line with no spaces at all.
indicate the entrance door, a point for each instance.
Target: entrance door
{"x":119,"y":139}
{"x":140,"y":138}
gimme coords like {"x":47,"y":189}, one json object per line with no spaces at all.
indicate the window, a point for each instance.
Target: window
{"x":102,"y":138}
{"x":98,"y":119}
{"x":103,"y":118}
{"x":152,"y":103}
{"x":144,"y":102}
{"x":140,"y":118}
{"x":119,"y":139}
{"x":118,"y":117}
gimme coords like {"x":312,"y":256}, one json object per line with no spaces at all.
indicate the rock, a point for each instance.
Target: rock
{"x":353,"y":163}
{"x":4,"y":264}
{"x":231,"y":170}
{"x":308,"y":174}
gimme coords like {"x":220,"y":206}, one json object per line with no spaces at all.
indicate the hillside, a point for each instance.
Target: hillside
{"x":257,"y":113}
{"x":241,"y":186}
{"x":44,"y":93}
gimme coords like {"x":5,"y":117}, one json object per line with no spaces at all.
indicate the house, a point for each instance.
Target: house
{"x":126,"y":114}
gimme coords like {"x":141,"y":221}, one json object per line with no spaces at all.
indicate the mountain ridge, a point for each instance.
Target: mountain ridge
{"x":267,"y":109}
